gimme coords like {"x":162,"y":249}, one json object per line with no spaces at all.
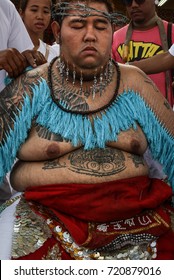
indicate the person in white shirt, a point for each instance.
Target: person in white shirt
{"x":13,"y":35}
{"x":15,"y":55}
{"x":36,"y":15}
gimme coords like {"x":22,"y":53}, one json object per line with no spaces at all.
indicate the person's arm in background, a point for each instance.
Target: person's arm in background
{"x":158,"y":63}
{"x":14,"y":62}
{"x":19,"y":39}
{"x":16,"y":47}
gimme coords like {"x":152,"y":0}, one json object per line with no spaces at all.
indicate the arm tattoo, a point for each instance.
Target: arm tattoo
{"x":149,"y":81}
{"x":167,"y":105}
{"x":155,"y":88}
{"x":11,"y":100}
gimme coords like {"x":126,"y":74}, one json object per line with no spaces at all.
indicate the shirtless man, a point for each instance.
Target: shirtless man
{"x":80,"y":127}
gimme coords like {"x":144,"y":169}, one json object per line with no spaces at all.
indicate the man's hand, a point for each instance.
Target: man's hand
{"x":14,"y":62}
{"x":34,"y":58}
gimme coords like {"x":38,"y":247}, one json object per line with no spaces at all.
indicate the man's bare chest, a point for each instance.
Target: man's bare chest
{"x":42,"y":144}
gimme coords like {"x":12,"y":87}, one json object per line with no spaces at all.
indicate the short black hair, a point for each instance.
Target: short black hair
{"x":23,"y":4}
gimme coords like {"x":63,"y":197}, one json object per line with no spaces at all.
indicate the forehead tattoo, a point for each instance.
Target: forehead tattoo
{"x":63,"y":9}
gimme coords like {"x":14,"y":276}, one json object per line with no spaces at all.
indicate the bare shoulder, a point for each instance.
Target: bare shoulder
{"x":40,"y":71}
{"x":137,"y":82}
{"x":133,"y":78}
{"x":13,"y":95}
{"x":34,"y":76}
{"x":23,"y":84}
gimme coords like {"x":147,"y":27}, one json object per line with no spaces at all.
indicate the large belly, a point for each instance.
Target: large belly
{"x":79,"y":166}
{"x":52,"y":160}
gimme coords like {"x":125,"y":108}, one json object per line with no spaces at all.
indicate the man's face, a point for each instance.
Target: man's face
{"x":86,"y":41}
{"x":141,"y":13}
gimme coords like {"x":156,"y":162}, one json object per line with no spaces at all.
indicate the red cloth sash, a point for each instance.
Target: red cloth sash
{"x":77,"y":205}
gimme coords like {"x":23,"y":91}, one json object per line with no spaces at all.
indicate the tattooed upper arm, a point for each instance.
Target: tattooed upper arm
{"x":148,"y":81}
{"x":158,"y":103}
{"x":141,"y":84}
{"x":12,"y":98}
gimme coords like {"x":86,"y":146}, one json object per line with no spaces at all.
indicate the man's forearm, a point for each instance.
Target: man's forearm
{"x":158,"y":63}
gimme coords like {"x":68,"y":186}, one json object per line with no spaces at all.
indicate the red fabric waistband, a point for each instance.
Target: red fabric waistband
{"x":102,"y":202}
{"x":77,"y":205}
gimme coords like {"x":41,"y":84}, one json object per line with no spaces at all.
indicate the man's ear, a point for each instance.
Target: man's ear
{"x":56,"y":30}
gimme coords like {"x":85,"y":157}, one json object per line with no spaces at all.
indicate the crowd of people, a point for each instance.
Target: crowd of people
{"x":87,"y":140}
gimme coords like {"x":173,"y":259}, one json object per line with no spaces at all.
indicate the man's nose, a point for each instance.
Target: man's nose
{"x":134,"y":4}
{"x":40,"y":14}
{"x":90,"y":34}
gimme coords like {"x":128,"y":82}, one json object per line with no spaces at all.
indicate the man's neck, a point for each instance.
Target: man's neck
{"x":145,"y":25}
